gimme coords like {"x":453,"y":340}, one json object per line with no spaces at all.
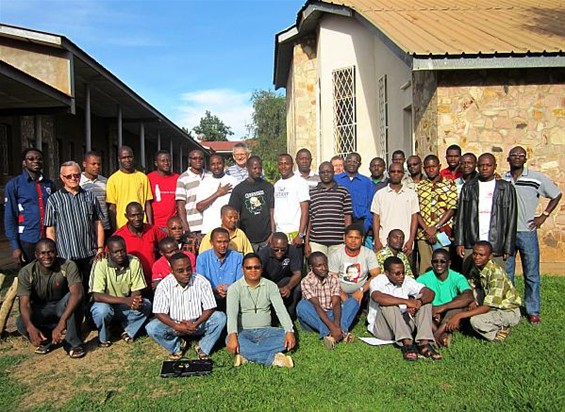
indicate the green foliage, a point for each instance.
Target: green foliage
{"x":523,"y":373}
{"x":211,"y":128}
{"x":268,"y":128}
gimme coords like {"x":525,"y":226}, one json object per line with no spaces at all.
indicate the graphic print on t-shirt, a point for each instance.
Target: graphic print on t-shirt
{"x":255,"y":201}
{"x":351,"y":272}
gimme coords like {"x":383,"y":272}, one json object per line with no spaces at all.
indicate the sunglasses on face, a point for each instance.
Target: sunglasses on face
{"x":72,"y":176}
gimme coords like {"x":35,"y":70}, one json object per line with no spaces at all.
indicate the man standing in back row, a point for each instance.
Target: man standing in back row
{"x":529,"y":185}
{"x":163,"y":185}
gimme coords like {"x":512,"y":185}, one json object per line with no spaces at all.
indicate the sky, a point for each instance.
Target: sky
{"x":182,"y":56}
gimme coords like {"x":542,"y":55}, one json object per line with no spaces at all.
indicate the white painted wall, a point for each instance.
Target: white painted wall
{"x":344,"y":42}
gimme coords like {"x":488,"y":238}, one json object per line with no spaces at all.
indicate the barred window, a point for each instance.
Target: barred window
{"x":345,"y":111}
{"x":383,"y":117}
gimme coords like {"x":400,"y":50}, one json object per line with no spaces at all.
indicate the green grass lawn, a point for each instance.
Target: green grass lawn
{"x":524,"y":373}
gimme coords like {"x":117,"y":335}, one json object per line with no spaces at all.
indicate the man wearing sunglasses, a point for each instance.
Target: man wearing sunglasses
{"x":24,"y":206}
{"x":73,"y":219}
{"x":452,"y":294}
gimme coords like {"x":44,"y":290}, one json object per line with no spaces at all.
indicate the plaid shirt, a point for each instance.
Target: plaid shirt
{"x":435,"y":199}
{"x":324,"y":289}
{"x":387,"y":252}
{"x":498,"y":290}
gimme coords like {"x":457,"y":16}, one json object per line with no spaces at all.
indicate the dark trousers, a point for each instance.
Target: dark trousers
{"x":84,"y":268}
{"x":45,"y":317}
{"x":28,"y":251}
{"x":292,"y":300}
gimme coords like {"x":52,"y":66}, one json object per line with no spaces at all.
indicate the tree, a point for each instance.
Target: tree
{"x":211,"y":128}
{"x":268,"y":126}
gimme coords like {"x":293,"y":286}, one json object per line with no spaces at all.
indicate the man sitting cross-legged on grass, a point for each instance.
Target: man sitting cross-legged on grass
{"x":250,"y":334}
{"x":452,"y":294}
{"x":321,"y":308}
{"x":497,"y":306}
{"x":399,"y":306}
{"x":116,"y":287}
{"x":184,"y":305}
{"x":50,"y":292}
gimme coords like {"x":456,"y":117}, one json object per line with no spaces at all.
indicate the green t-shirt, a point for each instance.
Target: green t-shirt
{"x":108,"y":279}
{"x":446,"y":290}
{"x":47,"y":285}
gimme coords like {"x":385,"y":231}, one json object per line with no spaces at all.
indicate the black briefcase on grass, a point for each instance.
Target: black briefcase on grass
{"x":186,"y":367}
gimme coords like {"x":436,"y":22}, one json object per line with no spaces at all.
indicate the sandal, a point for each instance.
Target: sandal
{"x":409,"y":352}
{"x":43,"y":349}
{"x":126,"y":338}
{"x":77,"y":352}
{"x":348,"y":338}
{"x":201,"y":354}
{"x":502,"y":334}
{"x":106,"y":344}
{"x":428,"y":351}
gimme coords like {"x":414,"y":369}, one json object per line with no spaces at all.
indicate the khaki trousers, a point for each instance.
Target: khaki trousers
{"x":392,"y":324}
{"x":487,"y":324}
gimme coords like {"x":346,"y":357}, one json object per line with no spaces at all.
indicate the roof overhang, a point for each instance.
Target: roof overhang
{"x":493,"y":61}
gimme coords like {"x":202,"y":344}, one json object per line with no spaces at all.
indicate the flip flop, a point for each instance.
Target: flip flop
{"x":76,"y":353}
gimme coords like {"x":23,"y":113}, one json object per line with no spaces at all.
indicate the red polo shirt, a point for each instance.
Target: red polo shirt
{"x":144,"y":246}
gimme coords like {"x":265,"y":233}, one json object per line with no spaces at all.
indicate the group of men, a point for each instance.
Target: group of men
{"x":185,"y":255}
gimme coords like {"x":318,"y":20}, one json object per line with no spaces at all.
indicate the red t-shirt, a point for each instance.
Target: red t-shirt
{"x":143,"y":247}
{"x":449,"y":174}
{"x":161,"y":268}
{"x":164,"y":204}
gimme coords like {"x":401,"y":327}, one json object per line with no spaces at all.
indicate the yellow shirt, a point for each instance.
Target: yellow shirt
{"x":238,"y":242}
{"x":108,"y":279}
{"x":124,"y":188}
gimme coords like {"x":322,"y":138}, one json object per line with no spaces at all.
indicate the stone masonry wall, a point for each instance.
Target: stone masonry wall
{"x":304,"y":98}
{"x":493,"y":111}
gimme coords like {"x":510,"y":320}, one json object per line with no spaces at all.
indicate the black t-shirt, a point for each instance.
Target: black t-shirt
{"x":254,"y":201}
{"x":274,"y":269}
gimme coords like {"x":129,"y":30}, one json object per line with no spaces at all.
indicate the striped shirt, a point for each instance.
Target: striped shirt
{"x":187,"y":188}
{"x":184,"y":303}
{"x":327,"y":211}
{"x":529,"y":187}
{"x":74,"y":218}
{"x":323,"y":289}
{"x":240,"y":173}
{"x":98,"y":187}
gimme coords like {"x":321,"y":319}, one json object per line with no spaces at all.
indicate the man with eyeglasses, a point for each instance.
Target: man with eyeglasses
{"x":282,"y":264}
{"x":360,"y":188}
{"x":415,"y":175}
{"x":452,"y":294}
{"x":240,"y":154}
{"x":26,"y":196}
{"x":187,"y":188}
{"x":125,"y":186}
{"x":73,"y":219}
{"x":530,"y":185}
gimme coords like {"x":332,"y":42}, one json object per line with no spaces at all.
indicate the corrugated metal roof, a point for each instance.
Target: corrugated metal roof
{"x":470,"y":27}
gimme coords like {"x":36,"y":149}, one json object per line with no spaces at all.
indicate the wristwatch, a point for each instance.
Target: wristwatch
{"x":437,"y":226}
{"x":302,"y":235}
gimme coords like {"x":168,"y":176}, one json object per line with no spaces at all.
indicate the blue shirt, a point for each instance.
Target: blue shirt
{"x":226,"y":272}
{"x":23,"y":211}
{"x":361,"y":189}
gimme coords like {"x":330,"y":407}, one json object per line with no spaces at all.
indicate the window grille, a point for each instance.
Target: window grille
{"x":383,"y":117}
{"x":345,"y":111}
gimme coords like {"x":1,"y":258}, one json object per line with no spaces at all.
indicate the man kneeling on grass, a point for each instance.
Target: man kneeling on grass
{"x":116,"y":288}
{"x":399,"y":307}
{"x":184,"y":305}
{"x":452,"y":294}
{"x":497,"y":306}
{"x":321,"y":308}
{"x":250,"y":334}
{"x":50,"y":291}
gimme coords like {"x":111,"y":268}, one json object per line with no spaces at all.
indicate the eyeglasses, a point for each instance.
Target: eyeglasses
{"x":518,"y":155}
{"x":72,"y":176}
{"x":257,"y":267}
{"x":279,"y":249}
{"x":439,"y":261}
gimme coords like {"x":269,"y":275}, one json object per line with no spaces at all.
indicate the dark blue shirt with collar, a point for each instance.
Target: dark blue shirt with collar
{"x":23,"y":213}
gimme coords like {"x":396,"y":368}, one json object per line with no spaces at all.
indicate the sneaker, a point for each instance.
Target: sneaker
{"x":329,"y":341}
{"x":502,"y":334}
{"x":239,"y":360}
{"x":283,"y":361}
{"x":534,"y":320}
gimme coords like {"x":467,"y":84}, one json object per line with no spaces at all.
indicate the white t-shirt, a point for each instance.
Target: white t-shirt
{"x":352,"y":271}
{"x":486,"y":194}
{"x":211,"y":216}
{"x":289,"y":193}
{"x":381,"y":284}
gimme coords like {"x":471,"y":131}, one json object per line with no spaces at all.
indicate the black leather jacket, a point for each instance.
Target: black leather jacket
{"x":503,"y":220}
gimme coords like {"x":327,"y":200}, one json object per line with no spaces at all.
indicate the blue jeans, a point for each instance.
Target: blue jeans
{"x":528,"y":246}
{"x":170,"y":339}
{"x":260,"y":345}
{"x":308,"y":316}
{"x":131,"y":320}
